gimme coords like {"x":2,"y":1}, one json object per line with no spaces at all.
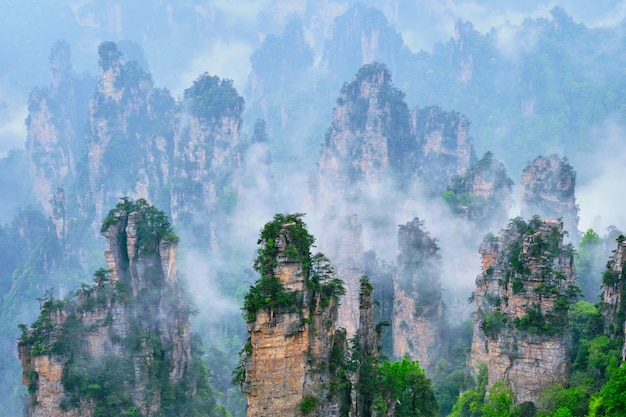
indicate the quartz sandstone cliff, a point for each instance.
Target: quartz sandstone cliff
{"x":134,"y":140}
{"x":548,"y":190}
{"x":418,"y":316}
{"x":482,"y":195}
{"x":522,"y":297}
{"x":129,"y":329}
{"x":287,"y":356}
{"x":290,"y":365}
{"x":375,"y":151}
{"x":614,"y":294}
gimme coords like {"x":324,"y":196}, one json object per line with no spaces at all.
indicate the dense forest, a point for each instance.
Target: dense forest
{"x":415,"y":150}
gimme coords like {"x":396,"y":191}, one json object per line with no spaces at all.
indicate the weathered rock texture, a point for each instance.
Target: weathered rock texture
{"x":207,"y":151}
{"x":134,"y":140}
{"x":522,"y":297}
{"x":291,"y":361}
{"x":548,"y":190}
{"x":443,"y":149}
{"x":122,"y":343}
{"x":377,"y":151}
{"x":348,"y":254}
{"x":482,"y":195}
{"x":614,"y":294}
{"x":289,"y":349}
{"x":53,"y":126}
{"x":374,"y":138}
{"x":418,"y":318}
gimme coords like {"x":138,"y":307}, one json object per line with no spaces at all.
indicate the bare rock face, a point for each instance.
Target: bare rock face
{"x":614,"y":294}
{"x":52,"y":123}
{"x":207,"y":149}
{"x":548,"y":190}
{"x":374,"y":138}
{"x":482,"y":195}
{"x":418,"y":318}
{"x":359,"y":148}
{"x":130,"y":137}
{"x":122,"y":344}
{"x":292,"y":322}
{"x":349,"y":258}
{"x":522,"y":298}
{"x":443,"y":147}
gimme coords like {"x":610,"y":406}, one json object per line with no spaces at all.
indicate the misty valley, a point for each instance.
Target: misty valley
{"x":374,"y":217}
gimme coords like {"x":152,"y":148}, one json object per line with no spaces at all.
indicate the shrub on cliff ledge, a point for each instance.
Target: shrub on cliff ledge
{"x":152,"y":223}
{"x":289,"y":232}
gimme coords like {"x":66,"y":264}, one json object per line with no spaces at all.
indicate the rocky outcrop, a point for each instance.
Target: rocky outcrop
{"x":374,"y":141}
{"x":130,"y":137}
{"x":361,"y":35}
{"x":418,"y":319}
{"x":121,"y":345}
{"x":522,"y":297}
{"x":137,"y":143}
{"x":208,"y":152}
{"x":349,"y":257}
{"x":53,"y":130}
{"x":482,"y":195}
{"x":443,"y":149}
{"x":614,"y":294}
{"x":462,"y":52}
{"x":548,"y":190}
{"x":292,"y":323}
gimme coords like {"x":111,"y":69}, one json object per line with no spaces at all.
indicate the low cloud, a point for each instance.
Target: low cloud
{"x":226,"y":59}
{"x":600,"y":180}
{"x":13,"y":112}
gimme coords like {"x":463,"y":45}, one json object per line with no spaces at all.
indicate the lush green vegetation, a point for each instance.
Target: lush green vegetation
{"x":212,"y":98}
{"x":286,"y":238}
{"x":477,"y":208}
{"x":590,"y":390}
{"x":404,"y":390}
{"x":153,"y":225}
{"x":109,"y":382}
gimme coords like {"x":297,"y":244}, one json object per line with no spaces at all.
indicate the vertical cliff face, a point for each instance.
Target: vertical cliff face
{"x":482,"y":195}
{"x":614,"y":294}
{"x":522,"y":298}
{"x":443,"y":147}
{"x":207,"y":148}
{"x":129,"y":142}
{"x":348,"y":255}
{"x":53,"y":127}
{"x":418,"y":317}
{"x":359,"y":147}
{"x":374,"y":138}
{"x":292,"y":322}
{"x":462,"y":52}
{"x":137,"y":139}
{"x":361,"y":35}
{"x":122,"y":345}
{"x":548,"y":189}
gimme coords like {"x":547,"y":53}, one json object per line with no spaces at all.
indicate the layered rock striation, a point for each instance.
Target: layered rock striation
{"x":482,"y":195}
{"x":375,"y":141}
{"x":522,"y":298}
{"x":121,"y":345}
{"x":134,"y":140}
{"x":614,"y":294}
{"x":418,"y":311}
{"x":548,"y":189}
{"x":298,"y":361}
{"x":292,"y":322}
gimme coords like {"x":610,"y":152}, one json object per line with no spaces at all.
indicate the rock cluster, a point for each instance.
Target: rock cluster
{"x":522,"y":297}
{"x":121,"y":343}
{"x":548,"y":189}
{"x":418,"y":315}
